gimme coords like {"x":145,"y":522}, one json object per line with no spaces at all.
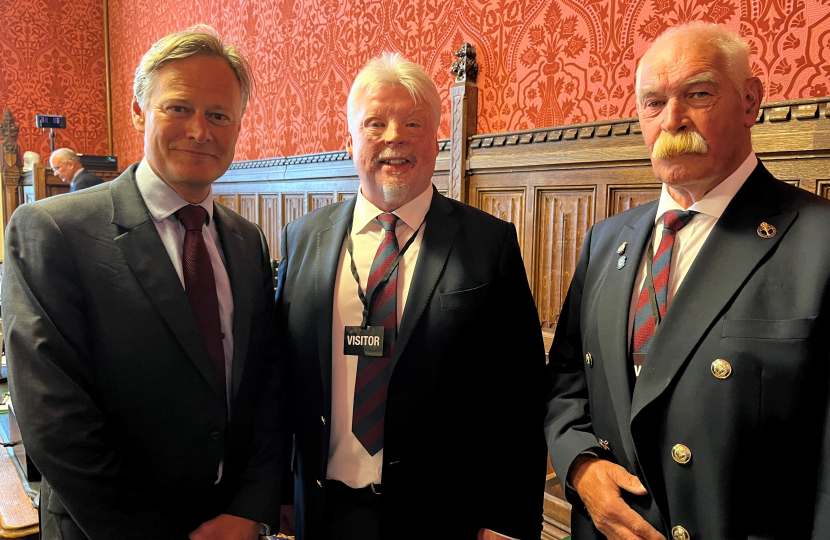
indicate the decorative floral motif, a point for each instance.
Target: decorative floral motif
{"x":52,"y":62}
{"x":541,"y":62}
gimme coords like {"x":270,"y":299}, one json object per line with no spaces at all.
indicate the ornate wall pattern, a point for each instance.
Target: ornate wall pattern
{"x":52,"y":62}
{"x":542,"y":62}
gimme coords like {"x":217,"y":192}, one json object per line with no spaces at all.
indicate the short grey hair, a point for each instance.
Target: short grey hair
{"x":734,"y":48}
{"x":198,"y":40}
{"x":392,"y":69}
{"x":64,"y":154}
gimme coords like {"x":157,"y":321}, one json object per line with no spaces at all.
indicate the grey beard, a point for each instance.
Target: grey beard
{"x":395,"y":192}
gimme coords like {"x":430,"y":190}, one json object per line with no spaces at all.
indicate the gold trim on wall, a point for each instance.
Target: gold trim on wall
{"x":108,"y":73}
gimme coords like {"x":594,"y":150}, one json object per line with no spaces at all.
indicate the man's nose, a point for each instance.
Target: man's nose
{"x":198,"y":128}
{"x":675,"y":116}
{"x":392,"y":134}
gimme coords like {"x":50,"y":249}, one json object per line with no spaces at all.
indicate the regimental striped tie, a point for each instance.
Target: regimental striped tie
{"x":644,"y":326}
{"x":373,"y":372}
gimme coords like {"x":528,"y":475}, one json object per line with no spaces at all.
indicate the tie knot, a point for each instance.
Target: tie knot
{"x":676,"y":220}
{"x":192,"y":217}
{"x":388,"y":221}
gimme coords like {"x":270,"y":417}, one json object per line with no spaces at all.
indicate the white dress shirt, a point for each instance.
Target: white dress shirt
{"x":349,"y":462}
{"x":691,"y":237}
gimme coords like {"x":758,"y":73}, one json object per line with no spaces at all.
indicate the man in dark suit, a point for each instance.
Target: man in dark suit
{"x":691,"y":353}
{"x":139,"y":326}
{"x":67,"y":166}
{"x":436,"y":430}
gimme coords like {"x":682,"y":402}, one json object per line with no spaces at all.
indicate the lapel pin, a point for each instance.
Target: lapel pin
{"x":765,"y":230}
{"x":621,"y":249}
{"x":621,"y":262}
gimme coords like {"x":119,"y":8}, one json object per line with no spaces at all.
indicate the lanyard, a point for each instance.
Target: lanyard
{"x":384,"y":279}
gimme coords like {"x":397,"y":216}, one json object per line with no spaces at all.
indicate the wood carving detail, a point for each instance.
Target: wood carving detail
{"x":294,"y":206}
{"x":466,"y":67}
{"x":319,"y":200}
{"x":247,"y":207}
{"x":9,"y":147}
{"x":625,"y":198}
{"x":230,"y":201}
{"x":458,"y":141}
{"x":563,"y":218}
{"x":269,"y":214}
{"x":506,"y":205}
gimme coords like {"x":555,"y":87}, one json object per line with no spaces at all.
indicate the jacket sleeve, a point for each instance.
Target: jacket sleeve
{"x":568,"y":427}
{"x":52,"y":384}
{"x":515,"y":487}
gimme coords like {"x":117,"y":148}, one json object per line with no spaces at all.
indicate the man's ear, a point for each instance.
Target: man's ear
{"x":752,"y":96}
{"x":350,"y":146}
{"x":138,"y":116}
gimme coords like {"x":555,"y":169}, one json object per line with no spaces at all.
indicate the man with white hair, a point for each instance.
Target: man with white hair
{"x":139,"y":326}
{"x":67,"y":166}
{"x":413,"y":343}
{"x":670,"y":423}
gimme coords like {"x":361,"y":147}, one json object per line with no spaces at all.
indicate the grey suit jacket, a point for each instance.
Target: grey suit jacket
{"x":464,"y":402}
{"x":761,"y":304}
{"x":118,"y":401}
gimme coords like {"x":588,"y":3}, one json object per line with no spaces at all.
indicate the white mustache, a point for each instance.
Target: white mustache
{"x":684,"y":142}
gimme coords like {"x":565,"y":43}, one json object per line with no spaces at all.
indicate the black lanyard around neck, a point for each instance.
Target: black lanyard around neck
{"x":350,"y":247}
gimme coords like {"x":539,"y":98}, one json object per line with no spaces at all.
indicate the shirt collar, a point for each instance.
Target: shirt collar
{"x":163,"y":201}
{"x":412,"y":213}
{"x":75,"y":176}
{"x":715,"y":202}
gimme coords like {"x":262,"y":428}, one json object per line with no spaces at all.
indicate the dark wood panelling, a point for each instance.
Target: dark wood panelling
{"x":508,"y":205}
{"x":622,"y":198}
{"x":247,"y":207}
{"x":563,"y":217}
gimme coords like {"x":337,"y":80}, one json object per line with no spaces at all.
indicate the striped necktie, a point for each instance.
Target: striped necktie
{"x":644,"y":323}
{"x":373,"y":372}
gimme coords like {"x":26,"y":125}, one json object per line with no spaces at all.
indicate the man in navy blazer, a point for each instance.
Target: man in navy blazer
{"x":140,"y":342}
{"x":691,"y":354}
{"x":453,"y":445}
{"x":67,"y":166}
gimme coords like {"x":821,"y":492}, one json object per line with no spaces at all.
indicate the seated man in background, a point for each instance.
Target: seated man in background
{"x":666,"y":422}
{"x":139,"y":326}
{"x":435,"y":429}
{"x":67,"y":166}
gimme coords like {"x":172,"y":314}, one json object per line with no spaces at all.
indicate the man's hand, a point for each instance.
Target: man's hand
{"x":598,"y":483}
{"x":226,"y":527}
{"x":287,"y":519}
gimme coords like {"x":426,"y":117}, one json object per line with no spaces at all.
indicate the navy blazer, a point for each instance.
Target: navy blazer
{"x":463,"y":441}
{"x":761,"y":304}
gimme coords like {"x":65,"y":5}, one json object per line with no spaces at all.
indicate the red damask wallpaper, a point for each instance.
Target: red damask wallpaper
{"x":52,"y":62}
{"x":543,"y":62}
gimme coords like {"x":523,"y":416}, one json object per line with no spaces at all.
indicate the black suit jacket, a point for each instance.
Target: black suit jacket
{"x":84,"y":180}
{"x":759,"y":439}
{"x":463,"y":444}
{"x":118,"y":401}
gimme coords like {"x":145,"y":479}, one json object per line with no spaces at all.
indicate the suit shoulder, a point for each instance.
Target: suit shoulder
{"x":316,"y":220}
{"x":79,"y":203}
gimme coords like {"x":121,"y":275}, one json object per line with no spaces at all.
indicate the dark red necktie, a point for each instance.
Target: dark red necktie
{"x":200,"y":285}
{"x":373,"y":372}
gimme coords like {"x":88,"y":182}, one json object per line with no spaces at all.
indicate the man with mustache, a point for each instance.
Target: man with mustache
{"x":138,"y":318}
{"x":413,"y":342}
{"x":691,"y":354}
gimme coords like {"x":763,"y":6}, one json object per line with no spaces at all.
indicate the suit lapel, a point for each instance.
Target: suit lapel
{"x":236,"y":262}
{"x":730,"y":254}
{"x":439,"y":234}
{"x":147,"y":257}
{"x":329,"y":246}
{"x":614,"y":306}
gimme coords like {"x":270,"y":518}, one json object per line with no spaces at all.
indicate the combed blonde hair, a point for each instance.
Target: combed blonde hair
{"x":198,"y":40}
{"x":734,"y":48}
{"x":392,"y":69}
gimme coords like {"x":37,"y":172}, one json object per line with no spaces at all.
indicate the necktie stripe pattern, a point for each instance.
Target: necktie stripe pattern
{"x":200,"y":283}
{"x":373,"y":372}
{"x":644,"y":328}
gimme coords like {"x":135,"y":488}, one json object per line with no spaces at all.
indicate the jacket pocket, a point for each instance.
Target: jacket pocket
{"x":767,"y":329}
{"x":465,"y":298}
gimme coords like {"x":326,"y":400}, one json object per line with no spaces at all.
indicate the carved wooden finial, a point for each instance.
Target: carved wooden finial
{"x":8,"y":146}
{"x":465,"y":68}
